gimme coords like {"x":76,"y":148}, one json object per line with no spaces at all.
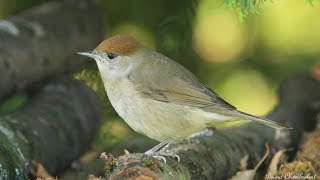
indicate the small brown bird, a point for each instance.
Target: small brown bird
{"x":160,"y":98}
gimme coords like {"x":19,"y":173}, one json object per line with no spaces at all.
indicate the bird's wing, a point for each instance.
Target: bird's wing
{"x":175,"y":84}
{"x":189,"y":95}
{"x":167,"y":81}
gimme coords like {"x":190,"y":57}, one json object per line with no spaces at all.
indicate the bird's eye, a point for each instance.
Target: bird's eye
{"x":111,"y":55}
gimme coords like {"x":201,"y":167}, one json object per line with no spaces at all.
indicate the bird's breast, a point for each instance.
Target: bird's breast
{"x":156,"y":119}
{"x":121,"y":95}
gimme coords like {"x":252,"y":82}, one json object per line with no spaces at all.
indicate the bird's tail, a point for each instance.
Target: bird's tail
{"x":264,"y":121}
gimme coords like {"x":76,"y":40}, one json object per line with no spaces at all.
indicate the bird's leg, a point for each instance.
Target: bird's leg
{"x":205,"y":132}
{"x":156,"y":148}
{"x":160,"y":151}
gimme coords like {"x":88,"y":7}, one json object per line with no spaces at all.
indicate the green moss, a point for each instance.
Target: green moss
{"x":13,"y":103}
{"x":12,"y":162}
{"x":151,"y":164}
{"x":110,"y":165}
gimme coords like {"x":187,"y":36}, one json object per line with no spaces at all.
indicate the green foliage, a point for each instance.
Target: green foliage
{"x":310,"y":2}
{"x":246,"y":7}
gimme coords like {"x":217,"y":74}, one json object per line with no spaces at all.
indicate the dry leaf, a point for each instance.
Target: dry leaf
{"x":244,"y":163}
{"x":250,"y":173}
{"x":39,"y":171}
{"x":273,"y":167}
{"x":92,"y":177}
{"x":126,"y":152}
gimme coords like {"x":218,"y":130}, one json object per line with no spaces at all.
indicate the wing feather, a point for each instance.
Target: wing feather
{"x":172,"y":83}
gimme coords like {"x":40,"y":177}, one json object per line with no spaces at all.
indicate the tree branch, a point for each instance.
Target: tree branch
{"x":53,"y":128}
{"x":43,"y":41}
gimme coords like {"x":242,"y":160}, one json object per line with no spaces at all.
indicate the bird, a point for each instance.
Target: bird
{"x":158,"y":97}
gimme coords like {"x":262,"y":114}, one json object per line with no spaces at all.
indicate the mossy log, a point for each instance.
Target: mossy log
{"x":43,"y":41}
{"x":53,"y":128}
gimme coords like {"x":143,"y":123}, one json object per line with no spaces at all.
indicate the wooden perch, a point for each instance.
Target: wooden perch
{"x":218,"y":157}
{"x":44,"y":40}
{"x":52,"y":129}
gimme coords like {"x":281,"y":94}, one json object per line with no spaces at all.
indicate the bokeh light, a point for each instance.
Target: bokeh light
{"x":290,"y":26}
{"x":248,"y":90}
{"x":117,"y":129}
{"x":113,"y":130}
{"x":218,"y":33}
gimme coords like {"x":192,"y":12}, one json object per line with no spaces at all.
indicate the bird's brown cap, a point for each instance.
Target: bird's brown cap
{"x":119,"y":44}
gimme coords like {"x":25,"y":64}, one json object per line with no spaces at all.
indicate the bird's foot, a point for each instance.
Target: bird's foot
{"x":160,"y":155}
{"x":161,"y":151}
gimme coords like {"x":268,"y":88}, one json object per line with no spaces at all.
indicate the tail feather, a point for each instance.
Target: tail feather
{"x":264,"y":121}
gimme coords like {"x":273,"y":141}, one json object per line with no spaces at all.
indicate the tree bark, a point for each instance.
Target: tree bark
{"x":53,"y":128}
{"x":44,"y":41}
{"x":218,"y":157}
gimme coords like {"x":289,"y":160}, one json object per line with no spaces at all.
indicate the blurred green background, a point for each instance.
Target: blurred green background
{"x":243,"y":60}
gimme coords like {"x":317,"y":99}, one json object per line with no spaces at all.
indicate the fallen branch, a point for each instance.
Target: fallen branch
{"x":44,"y":40}
{"x":52,"y":129}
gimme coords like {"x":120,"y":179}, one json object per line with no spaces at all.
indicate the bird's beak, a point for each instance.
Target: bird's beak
{"x":89,"y":54}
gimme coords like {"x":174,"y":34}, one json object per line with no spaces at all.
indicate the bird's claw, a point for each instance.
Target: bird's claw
{"x":160,"y":155}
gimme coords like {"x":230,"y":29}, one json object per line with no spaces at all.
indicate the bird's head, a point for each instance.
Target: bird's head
{"x":117,"y":55}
